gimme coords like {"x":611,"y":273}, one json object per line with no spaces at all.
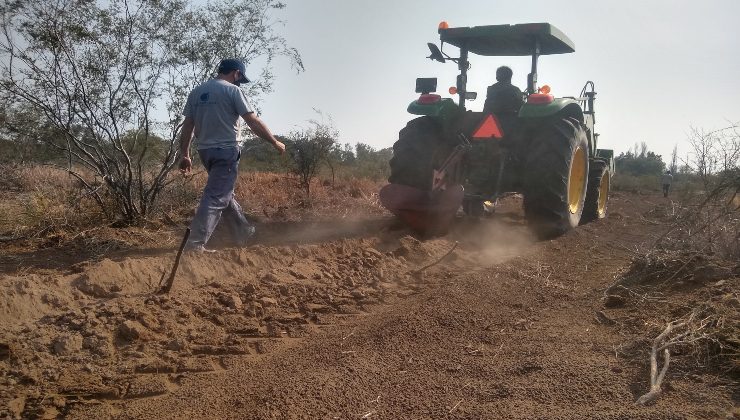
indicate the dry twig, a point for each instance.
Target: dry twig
{"x":455,"y":407}
{"x":439,"y":260}
{"x":661,"y":344}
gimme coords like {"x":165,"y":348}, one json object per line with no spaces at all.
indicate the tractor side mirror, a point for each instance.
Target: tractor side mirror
{"x":436,"y":53}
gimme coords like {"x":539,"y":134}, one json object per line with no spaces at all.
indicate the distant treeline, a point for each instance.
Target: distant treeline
{"x":360,"y":160}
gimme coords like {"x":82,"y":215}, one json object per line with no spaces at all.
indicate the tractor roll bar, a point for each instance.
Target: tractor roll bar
{"x":532,"y":77}
{"x":463,"y":64}
{"x":462,"y":78}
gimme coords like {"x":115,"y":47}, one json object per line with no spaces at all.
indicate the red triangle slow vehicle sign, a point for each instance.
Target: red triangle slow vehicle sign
{"x":489,"y":128}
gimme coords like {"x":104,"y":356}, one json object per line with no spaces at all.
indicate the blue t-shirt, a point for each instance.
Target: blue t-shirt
{"x":216,"y":107}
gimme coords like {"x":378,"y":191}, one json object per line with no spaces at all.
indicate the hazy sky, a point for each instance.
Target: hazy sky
{"x":659,"y":66}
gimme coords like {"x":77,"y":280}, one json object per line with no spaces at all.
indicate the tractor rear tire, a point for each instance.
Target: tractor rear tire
{"x":556,"y":178}
{"x":415,"y":153}
{"x":597,"y":195}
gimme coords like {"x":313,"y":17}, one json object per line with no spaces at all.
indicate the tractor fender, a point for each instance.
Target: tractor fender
{"x":446,"y":110}
{"x":607,"y":155}
{"x":564,"y":107}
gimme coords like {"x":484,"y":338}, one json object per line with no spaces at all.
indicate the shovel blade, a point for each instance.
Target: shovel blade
{"x":423,"y":211}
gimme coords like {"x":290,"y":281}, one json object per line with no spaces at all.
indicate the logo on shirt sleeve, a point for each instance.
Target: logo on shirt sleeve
{"x":204,"y":97}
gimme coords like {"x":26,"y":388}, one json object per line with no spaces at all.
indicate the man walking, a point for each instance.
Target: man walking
{"x":667,"y":180}
{"x":212,"y":113}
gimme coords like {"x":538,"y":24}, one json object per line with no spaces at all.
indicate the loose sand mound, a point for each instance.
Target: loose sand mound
{"x":97,"y":333}
{"x":334,"y":327}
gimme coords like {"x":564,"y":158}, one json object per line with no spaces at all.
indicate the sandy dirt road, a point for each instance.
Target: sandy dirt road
{"x":504,"y":327}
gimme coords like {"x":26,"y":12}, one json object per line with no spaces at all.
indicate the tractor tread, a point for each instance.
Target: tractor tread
{"x":598,"y":169}
{"x":546,"y":179}
{"x":416,"y":152}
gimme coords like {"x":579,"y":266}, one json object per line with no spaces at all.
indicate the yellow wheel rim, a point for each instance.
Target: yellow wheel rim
{"x":577,"y":180}
{"x":603,"y":193}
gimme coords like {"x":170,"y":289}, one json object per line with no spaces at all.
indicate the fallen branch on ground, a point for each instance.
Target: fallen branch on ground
{"x":455,"y":407}
{"x":662,"y":343}
{"x":418,"y":271}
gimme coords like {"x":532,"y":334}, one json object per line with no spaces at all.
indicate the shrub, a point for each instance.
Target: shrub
{"x":635,"y":183}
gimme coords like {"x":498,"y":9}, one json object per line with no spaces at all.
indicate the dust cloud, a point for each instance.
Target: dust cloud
{"x":497,"y":238}
{"x":97,"y":331}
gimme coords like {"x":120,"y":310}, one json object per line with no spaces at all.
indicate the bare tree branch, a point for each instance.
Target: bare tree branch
{"x":98,"y":72}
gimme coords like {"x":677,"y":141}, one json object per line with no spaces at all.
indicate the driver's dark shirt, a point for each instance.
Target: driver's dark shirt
{"x":503,"y":98}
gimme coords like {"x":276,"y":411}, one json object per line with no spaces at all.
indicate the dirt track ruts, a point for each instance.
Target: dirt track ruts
{"x":517,"y":339}
{"x":506,"y":329}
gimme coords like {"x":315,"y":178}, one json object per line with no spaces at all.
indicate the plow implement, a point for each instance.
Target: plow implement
{"x":423,"y":211}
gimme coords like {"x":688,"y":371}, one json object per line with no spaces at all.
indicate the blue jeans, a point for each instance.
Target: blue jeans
{"x":217,"y":202}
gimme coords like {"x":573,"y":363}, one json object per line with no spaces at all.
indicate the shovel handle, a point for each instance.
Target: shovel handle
{"x":167,"y":286}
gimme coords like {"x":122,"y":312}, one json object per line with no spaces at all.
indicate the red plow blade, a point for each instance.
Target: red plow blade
{"x":422,"y":211}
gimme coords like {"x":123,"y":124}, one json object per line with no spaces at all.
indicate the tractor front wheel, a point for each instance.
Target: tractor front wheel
{"x":556,"y":178}
{"x":597,"y":196}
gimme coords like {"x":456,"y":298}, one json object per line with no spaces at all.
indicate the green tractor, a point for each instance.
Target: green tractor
{"x":546,"y":150}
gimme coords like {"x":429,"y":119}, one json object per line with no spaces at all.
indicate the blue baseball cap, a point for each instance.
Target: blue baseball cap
{"x":231,"y":64}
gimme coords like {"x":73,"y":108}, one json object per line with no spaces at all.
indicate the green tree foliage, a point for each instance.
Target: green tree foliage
{"x":111,"y":77}
{"x":343,"y":161}
{"x":344,"y":154}
{"x":22,"y":135}
{"x":308,"y":149}
{"x":639,"y":161}
{"x":371,"y":163}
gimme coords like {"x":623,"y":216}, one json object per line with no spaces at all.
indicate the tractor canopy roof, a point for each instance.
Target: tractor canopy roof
{"x":509,"y":40}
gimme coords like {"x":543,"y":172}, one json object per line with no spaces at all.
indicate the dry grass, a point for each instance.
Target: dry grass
{"x":709,"y":226}
{"x":687,"y":289}
{"x":279,"y":197}
{"x":642,"y":184}
{"x":680,"y":286}
{"x":635,"y":184}
{"x":40,"y":201}
{"x":24,"y":179}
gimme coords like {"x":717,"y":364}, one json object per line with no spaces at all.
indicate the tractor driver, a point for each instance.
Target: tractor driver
{"x":503,"y":97}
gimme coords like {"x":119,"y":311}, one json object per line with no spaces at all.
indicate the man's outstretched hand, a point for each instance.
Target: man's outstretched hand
{"x":279,"y":146}
{"x":186,"y":165}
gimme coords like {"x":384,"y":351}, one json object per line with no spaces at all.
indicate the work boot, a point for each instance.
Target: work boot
{"x":197,"y":249}
{"x":247,"y":236}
